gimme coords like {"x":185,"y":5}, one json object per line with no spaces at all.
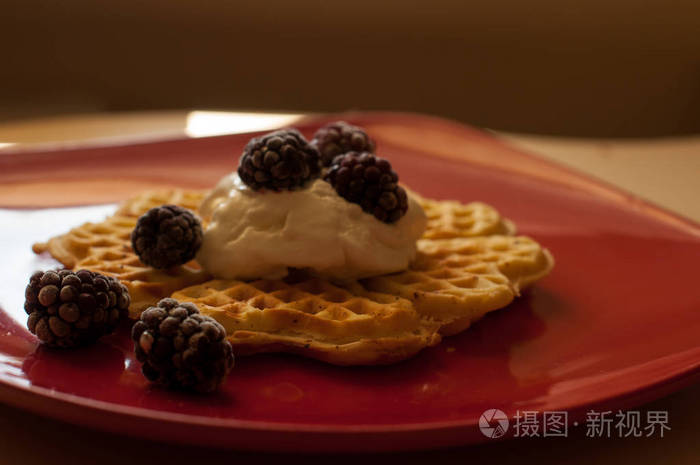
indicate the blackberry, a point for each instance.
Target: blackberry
{"x":338,"y":138}
{"x":368,"y":180}
{"x":280,"y":160}
{"x":167,"y":236}
{"x":180,"y":348}
{"x":70,"y":309}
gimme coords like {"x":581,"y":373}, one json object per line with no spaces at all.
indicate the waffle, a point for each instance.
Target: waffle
{"x":456,"y":281}
{"x":146,"y":285}
{"x":78,"y":243}
{"x":141,"y":203}
{"x":313,"y":318}
{"x":449,"y":219}
{"x":115,"y":230}
{"x":106,"y":248}
{"x":456,"y":278}
{"x":521,"y":259}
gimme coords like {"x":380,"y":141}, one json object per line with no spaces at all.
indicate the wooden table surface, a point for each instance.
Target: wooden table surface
{"x":665,"y":171}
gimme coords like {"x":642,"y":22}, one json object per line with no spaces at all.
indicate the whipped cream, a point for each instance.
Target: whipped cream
{"x":261,"y":234}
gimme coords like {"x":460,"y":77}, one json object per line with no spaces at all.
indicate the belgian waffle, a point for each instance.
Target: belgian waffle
{"x":146,"y":285}
{"x":449,"y":219}
{"x":457,"y":281}
{"x":77,"y":244}
{"x":457,"y":277}
{"x":111,"y":234}
{"x":521,"y":259}
{"x":313,"y":318}
{"x":141,"y":203}
{"x":105,"y":247}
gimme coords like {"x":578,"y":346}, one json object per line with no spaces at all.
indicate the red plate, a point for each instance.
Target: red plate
{"x":615,"y":324}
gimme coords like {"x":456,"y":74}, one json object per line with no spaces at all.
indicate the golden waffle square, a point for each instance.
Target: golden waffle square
{"x":71,"y":247}
{"x":449,"y":219}
{"x":456,"y":281}
{"x":313,"y":318}
{"x":105,"y":247}
{"x":141,"y":203}
{"x":78,"y":243}
{"x":521,"y":259}
{"x":146,"y":285}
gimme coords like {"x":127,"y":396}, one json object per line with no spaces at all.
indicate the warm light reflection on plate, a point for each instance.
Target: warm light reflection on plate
{"x":215,"y":123}
{"x":102,"y":129}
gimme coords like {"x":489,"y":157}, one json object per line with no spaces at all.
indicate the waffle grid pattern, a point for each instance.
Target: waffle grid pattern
{"x":519,"y":258}
{"x":105,"y":247}
{"x":456,"y":281}
{"x":468,"y":264}
{"x":313,"y":316}
{"x":450,"y":219}
{"x":140,"y":204}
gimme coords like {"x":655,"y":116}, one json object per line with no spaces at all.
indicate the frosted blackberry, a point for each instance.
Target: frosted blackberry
{"x":338,"y":138}
{"x":70,"y":309}
{"x":180,"y":348}
{"x":368,"y":180}
{"x":167,"y":236}
{"x":280,"y":160}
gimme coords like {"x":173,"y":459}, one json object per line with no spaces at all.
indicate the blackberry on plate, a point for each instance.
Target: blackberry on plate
{"x":180,"y":348}
{"x":368,"y":180}
{"x":70,"y":309}
{"x":166,"y":236}
{"x":280,"y":160}
{"x":338,"y":138}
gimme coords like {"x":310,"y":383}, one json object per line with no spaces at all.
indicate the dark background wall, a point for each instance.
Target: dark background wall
{"x":604,"y":68}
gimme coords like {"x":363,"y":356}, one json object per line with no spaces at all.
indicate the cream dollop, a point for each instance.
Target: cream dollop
{"x":261,"y":234}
